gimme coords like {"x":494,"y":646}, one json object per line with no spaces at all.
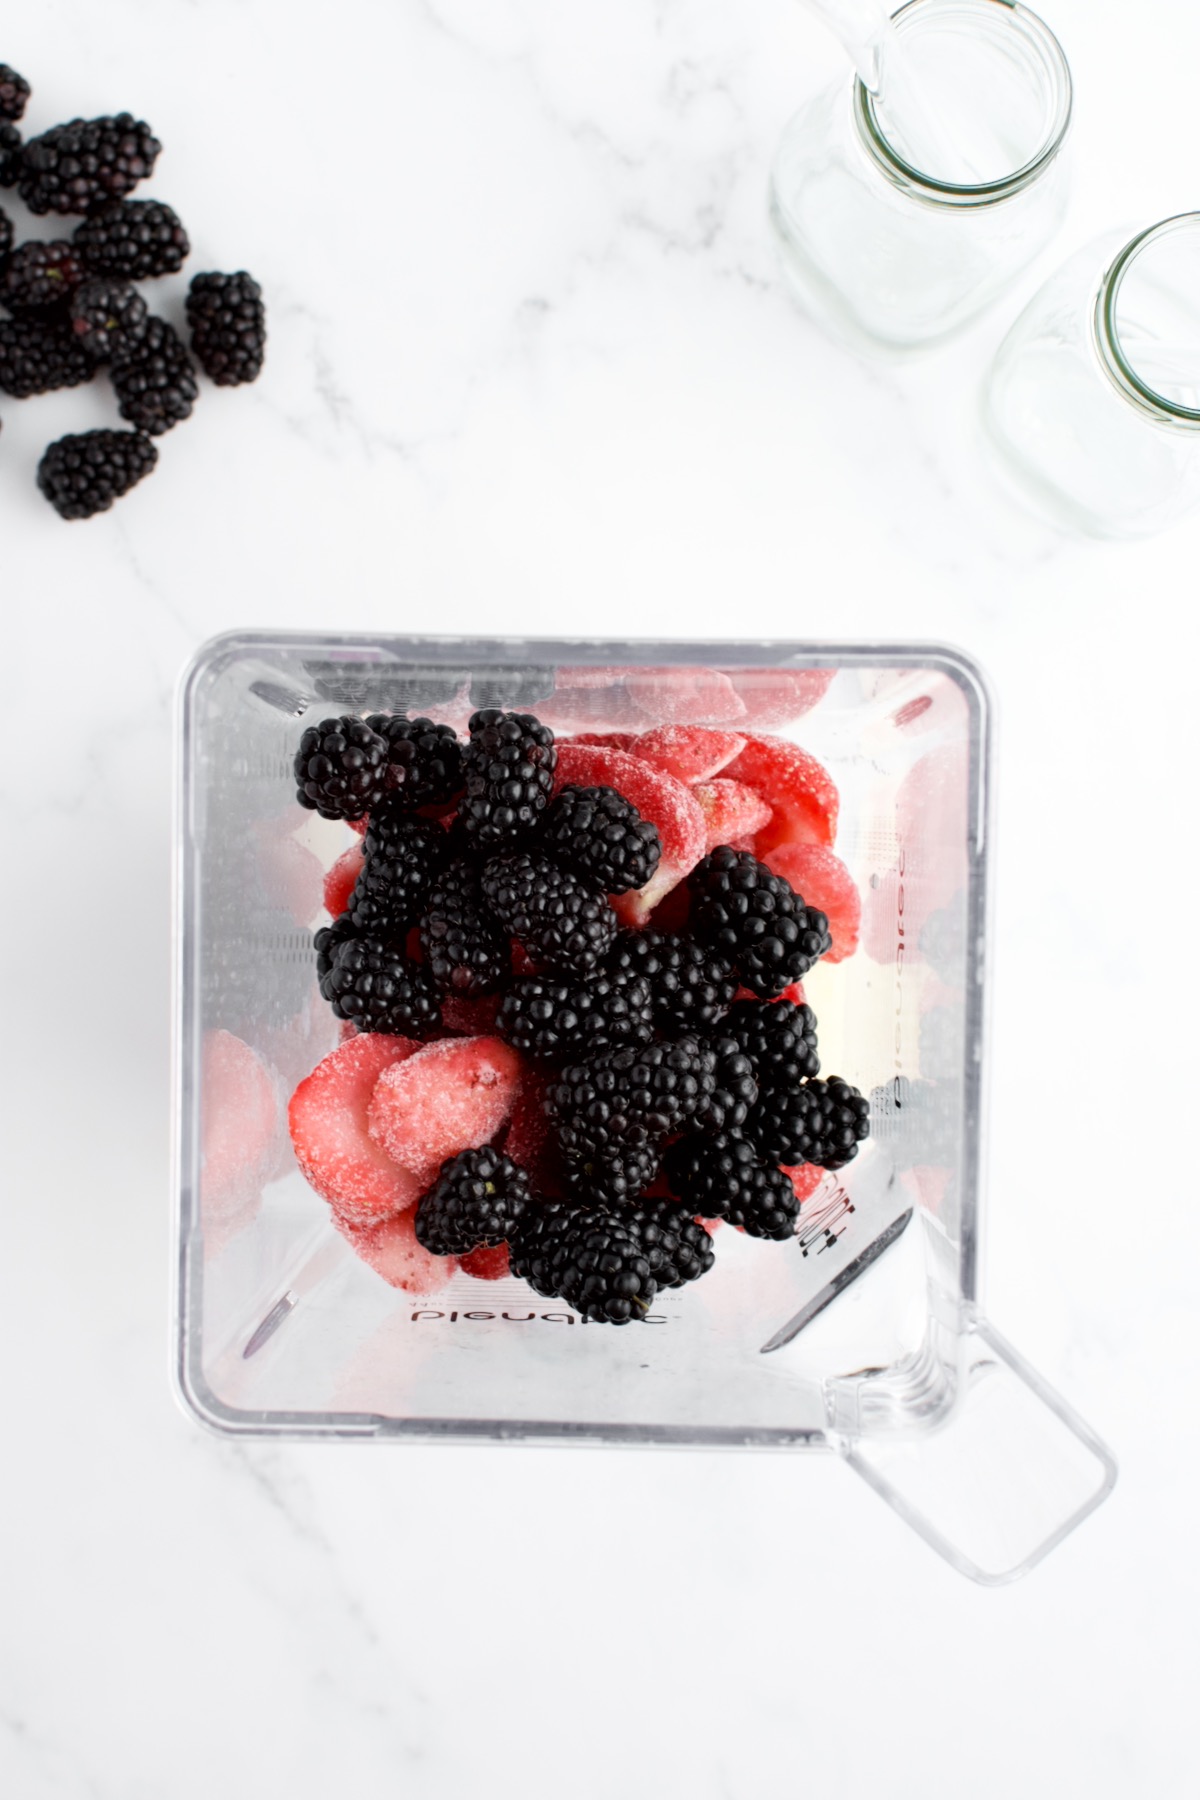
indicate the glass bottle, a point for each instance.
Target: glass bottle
{"x":1093,"y":399}
{"x":886,"y":254}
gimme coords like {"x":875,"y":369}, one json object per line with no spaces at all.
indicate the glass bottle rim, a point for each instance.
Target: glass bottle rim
{"x":929,"y":188}
{"x":1107,"y":335}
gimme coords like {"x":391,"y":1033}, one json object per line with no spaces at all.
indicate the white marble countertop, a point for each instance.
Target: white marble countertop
{"x":531,"y":370}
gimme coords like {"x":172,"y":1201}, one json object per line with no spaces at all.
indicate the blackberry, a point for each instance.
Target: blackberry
{"x":10,"y":154}
{"x":6,"y":238}
{"x":598,"y":1266}
{"x":426,"y":759}
{"x":38,"y":355}
{"x":508,"y":766}
{"x":14,"y":92}
{"x":40,"y":275}
{"x":82,"y":475}
{"x":822,"y":1122}
{"x":228,"y":325}
{"x":596,"y":832}
{"x":677,"y":1249}
{"x":377,"y":988}
{"x":613,"y":1176}
{"x":779,"y":1037}
{"x":691,"y":985}
{"x":340,"y":768}
{"x":393,"y":887}
{"x":464,"y":948}
{"x":107,"y":317}
{"x":133,"y":240}
{"x":722,"y":1177}
{"x":478,"y":1198}
{"x":631,"y":1099}
{"x":756,"y":919}
{"x":154,"y":380}
{"x":556,"y":1019}
{"x":560,"y":919}
{"x":327,"y":941}
{"x":75,"y":167}
{"x":535,"y":1236}
{"x":736,"y":1088}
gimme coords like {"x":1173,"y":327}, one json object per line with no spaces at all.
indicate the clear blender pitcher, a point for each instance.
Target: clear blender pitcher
{"x":863,"y":1335}
{"x":901,"y":216}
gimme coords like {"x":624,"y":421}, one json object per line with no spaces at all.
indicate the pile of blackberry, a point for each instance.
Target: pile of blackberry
{"x":670,"y":1100}
{"x":69,"y":306}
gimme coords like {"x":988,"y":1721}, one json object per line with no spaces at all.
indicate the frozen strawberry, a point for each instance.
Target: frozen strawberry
{"x":685,"y":696}
{"x":712,"y":1226}
{"x":800,"y":793}
{"x":731,"y":810}
{"x":529,"y":1140}
{"x":359,"y":825}
{"x":451,"y":1096}
{"x":689,"y":752}
{"x":823,"y":881}
{"x":290,"y":873}
{"x":805,"y":1178}
{"x":778,"y":696}
{"x":239,"y":1117}
{"x":392,"y":1250}
{"x":470,"y":1018}
{"x":340,"y":880}
{"x":327,"y":1117}
{"x":488,"y":1263}
{"x":346,"y":1030}
{"x":659,"y":798}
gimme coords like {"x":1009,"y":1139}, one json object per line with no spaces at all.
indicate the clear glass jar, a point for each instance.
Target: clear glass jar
{"x":892,"y":257}
{"x":1093,"y":399}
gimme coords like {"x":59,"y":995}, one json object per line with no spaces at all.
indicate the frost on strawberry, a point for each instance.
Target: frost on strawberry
{"x":689,"y":752}
{"x":798,"y":789}
{"x":453,"y":1095}
{"x":327,"y":1118}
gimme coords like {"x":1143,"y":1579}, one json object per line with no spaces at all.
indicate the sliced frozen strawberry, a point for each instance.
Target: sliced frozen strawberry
{"x":327,"y":1117}
{"x":340,"y":880}
{"x":777,"y":696}
{"x":450,"y":1096}
{"x":529,"y":1140}
{"x":239,"y":1114}
{"x":689,"y":752}
{"x":392,"y":1250}
{"x":805,"y":1178}
{"x":685,"y":696}
{"x":731,"y":810}
{"x":823,"y":880}
{"x":522,"y":962}
{"x":659,"y":798}
{"x":712,"y":1226}
{"x":470,"y":1018}
{"x":346,"y":1030}
{"x":488,"y":1263}
{"x":800,"y":793}
{"x":359,"y":825}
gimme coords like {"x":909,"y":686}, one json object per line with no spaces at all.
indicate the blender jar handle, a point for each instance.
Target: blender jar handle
{"x":998,"y":1470}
